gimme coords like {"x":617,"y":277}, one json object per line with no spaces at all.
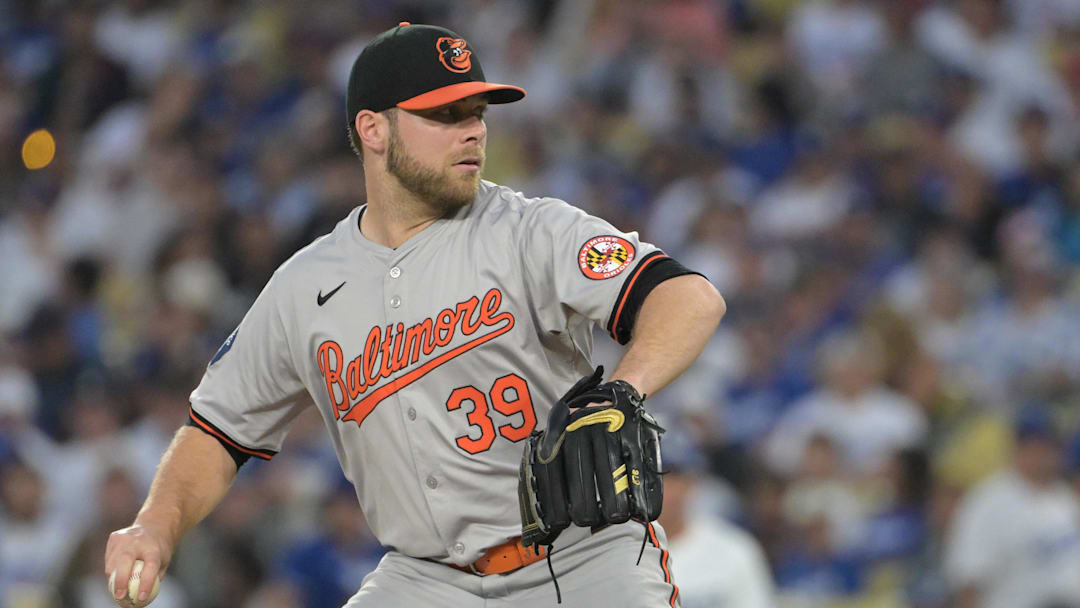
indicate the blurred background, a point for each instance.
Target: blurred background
{"x":887,"y":192}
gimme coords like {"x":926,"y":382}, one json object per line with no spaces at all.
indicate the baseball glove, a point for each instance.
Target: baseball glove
{"x":592,"y":465}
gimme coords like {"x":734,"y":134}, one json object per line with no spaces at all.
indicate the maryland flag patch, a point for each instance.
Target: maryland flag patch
{"x":603,"y":257}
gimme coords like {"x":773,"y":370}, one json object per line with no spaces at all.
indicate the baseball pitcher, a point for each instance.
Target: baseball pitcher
{"x":443,"y":330}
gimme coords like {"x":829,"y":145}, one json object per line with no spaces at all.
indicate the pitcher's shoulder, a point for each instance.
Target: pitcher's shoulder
{"x":505,"y":203}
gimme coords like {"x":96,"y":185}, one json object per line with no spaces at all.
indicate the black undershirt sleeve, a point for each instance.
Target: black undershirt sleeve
{"x":239,"y":453}
{"x":652,"y":270}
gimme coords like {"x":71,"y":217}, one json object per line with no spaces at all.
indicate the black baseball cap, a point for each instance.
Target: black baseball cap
{"x":417,"y":67}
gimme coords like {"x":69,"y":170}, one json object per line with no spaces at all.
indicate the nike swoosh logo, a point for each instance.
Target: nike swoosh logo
{"x":613,"y":417}
{"x":321,"y":299}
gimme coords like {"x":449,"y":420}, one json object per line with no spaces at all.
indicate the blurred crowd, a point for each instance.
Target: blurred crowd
{"x":887,"y":193}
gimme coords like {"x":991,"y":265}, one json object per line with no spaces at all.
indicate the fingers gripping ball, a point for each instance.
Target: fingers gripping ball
{"x":131,"y":600}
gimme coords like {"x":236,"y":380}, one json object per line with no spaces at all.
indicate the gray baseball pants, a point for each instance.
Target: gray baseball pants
{"x":593,"y":571}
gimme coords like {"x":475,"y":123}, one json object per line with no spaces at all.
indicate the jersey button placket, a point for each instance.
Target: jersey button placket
{"x":432,"y":482}
{"x":412,"y":413}
{"x":395,"y":300}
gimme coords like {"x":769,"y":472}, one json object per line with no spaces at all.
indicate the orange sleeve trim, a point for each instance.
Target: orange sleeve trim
{"x":211,"y":429}
{"x":664,"y":566}
{"x":629,"y":288}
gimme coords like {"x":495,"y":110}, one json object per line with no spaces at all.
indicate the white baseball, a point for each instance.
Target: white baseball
{"x":131,"y":600}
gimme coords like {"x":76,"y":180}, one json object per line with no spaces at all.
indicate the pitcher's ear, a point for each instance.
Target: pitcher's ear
{"x":373,"y":129}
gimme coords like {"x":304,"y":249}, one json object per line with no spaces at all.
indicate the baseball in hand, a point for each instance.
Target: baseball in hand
{"x":131,"y":600}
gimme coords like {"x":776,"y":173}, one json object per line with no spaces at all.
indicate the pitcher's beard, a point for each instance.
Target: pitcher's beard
{"x":444,"y":192}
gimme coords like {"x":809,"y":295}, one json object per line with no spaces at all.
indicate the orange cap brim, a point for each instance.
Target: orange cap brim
{"x":498,"y":93}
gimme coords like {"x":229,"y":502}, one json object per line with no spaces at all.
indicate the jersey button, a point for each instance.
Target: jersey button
{"x":432,"y":482}
{"x":459,"y":548}
{"x":395,"y":272}
{"x":395,"y":301}
{"x":412,"y":413}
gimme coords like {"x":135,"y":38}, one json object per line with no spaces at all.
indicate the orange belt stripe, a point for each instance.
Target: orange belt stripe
{"x":504,"y":558}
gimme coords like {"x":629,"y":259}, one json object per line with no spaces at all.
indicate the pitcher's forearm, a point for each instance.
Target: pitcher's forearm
{"x":676,"y":320}
{"x":191,"y":480}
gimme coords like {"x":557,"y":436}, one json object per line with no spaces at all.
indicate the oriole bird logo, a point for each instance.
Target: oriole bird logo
{"x":453,"y":54}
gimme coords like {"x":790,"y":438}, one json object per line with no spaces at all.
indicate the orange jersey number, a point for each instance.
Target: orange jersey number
{"x":509,"y":396}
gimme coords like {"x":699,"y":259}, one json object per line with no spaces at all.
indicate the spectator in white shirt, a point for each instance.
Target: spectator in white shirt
{"x":863,"y":418}
{"x":835,"y":42}
{"x":1025,"y":341}
{"x":811,"y":200}
{"x":718,"y":563}
{"x":823,"y":495}
{"x":35,"y":541}
{"x":1015,"y":539}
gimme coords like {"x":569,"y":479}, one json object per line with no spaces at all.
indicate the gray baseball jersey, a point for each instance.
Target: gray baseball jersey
{"x":428,"y":363}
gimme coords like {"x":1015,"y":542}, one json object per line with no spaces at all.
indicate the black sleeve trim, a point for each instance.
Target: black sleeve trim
{"x":652,"y":270}
{"x":239,"y":453}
